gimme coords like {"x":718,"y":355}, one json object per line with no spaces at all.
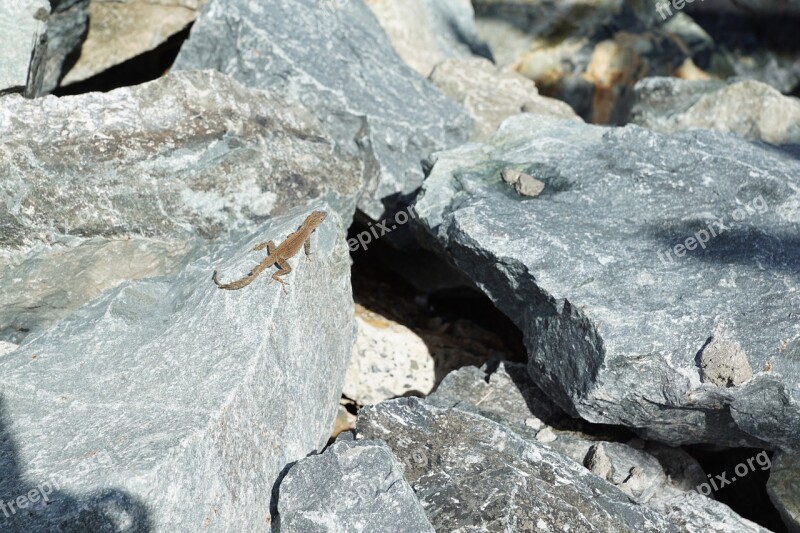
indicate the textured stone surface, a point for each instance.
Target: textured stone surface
{"x":426,"y":32}
{"x":170,"y":405}
{"x":301,"y":49}
{"x":104,"y":187}
{"x":389,"y":360}
{"x":119,"y":31}
{"x":23,"y":32}
{"x":784,"y":488}
{"x":66,"y":29}
{"x":748,"y":108}
{"x":472,"y":473}
{"x":352,"y":487}
{"x":694,"y":513}
{"x":604,"y":276}
{"x":492,"y":95}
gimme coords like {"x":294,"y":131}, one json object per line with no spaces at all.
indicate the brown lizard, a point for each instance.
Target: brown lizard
{"x":278,"y":255}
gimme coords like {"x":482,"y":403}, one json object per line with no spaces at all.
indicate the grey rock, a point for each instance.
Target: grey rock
{"x":354,"y":486}
{"x":695,"y":513}
{"x":492,"y":95}
{"x":473,"y":474}
{"x":23,"y":32}
{"x":604,"y":274}
{"x":119,"y":31}
{"x":66,"y":30}
{"x":170,"y":405}
{"x":303,"y":49}
{"x":426,"y":32}
{"x":104,"y":187}
{"x":724,"y":363}
{"x":748,"y":108}
{"x":783,"y":488}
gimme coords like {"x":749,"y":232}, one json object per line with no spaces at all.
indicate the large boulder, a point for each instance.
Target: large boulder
{"x":168,"y":404}
{"x":104,"y":187}
{"x":646,"y":264}
{"x":352,"y":487}
{"x":336,"y":59}
{"x":748,"y":108}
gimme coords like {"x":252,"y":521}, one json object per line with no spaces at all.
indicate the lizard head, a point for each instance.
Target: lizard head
{"x":315,"y":219}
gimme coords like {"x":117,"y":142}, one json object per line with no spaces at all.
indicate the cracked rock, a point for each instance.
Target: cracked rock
{"x":605,"y":276}
{"x":389,"y":115}
{"x":169,"y":405}
{"x":354,"y":486}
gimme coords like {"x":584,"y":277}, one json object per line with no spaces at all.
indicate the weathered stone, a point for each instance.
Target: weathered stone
{"x":353,"y":486}
{"x":119,"y":31}
{"x":492,"y":95}
{"x":724,"y":363}
{"x":695,"y":513}
{"x":748,"y":108}
{"x":105,"y":187}
{"x":783,"y":488}
{"x":426,"y":32}
{"x":340,"y":64}
{"x":605,"y":275}
{"x":472,"y":473}
{"x":196,"y":398}
{"x":389,"y":360}
{"x":66,"y":29}
{"x":23,"y":32}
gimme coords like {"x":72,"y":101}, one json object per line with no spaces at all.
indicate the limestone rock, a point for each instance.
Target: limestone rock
{"x":336,"y":59}
{"x":351,"y":487}
{"x":23,"y":32}
{"x":616,"y":279}
{"x":491,"y":95}
{"x":426,"y":32}
{"x":748,"y":108}
{"x":119,"y":31}
{"x":389,"y":360}
{"x":195,"y":398}
{"x":784,"y":488}
{"x":104,"y":187}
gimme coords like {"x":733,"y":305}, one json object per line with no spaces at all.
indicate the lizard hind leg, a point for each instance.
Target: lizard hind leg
{"x":283,"y":269}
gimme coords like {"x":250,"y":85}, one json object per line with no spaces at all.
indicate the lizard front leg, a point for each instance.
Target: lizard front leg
{"x":283,"y":269}
{"x":269,"y":245}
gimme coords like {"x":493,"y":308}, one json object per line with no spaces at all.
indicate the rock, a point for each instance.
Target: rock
{"x":724,"y":363}
{"x":748,"y":108}
{"x":613,"y":310}
{"x":471,"y":473}
{"x":783,"y":488}
{"x":311,"y":53}
{"x":491,"y":95}
{"x":694,"y":513}
{"x":119,"y":31}
{"x":353,"y":486}
{"x":528,"y":185}
{"x":426,"y":32}
{"x":389,"y":360}
{"x":194,"y":398}
{"x":590,"y":56}
{"x":105,"y":187}
{"x":345,"y":421}
{"x":66,"y":29}
{"x":23,"y":28}
{"x":7,"y":347}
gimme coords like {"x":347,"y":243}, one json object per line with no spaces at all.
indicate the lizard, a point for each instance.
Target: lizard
{"x":279,"y":255}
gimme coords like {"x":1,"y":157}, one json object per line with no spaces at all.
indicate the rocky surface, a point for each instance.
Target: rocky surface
{"x":66,"y":29}
{"x":23,"y":26}
{"x":426,"y":32}
{"x":400,"y":116}
{"x":353,"y":486}
{"x":389,"y":360}
{"x":748,"y":108}
{"x":492,"y":95}
{"x":105,"y":187}
{"x":605,"y":275}
{"x":784,"y":488}
{"x":195,"y":413}
{"x":119,"y":31}
{"x":471,"y":472}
